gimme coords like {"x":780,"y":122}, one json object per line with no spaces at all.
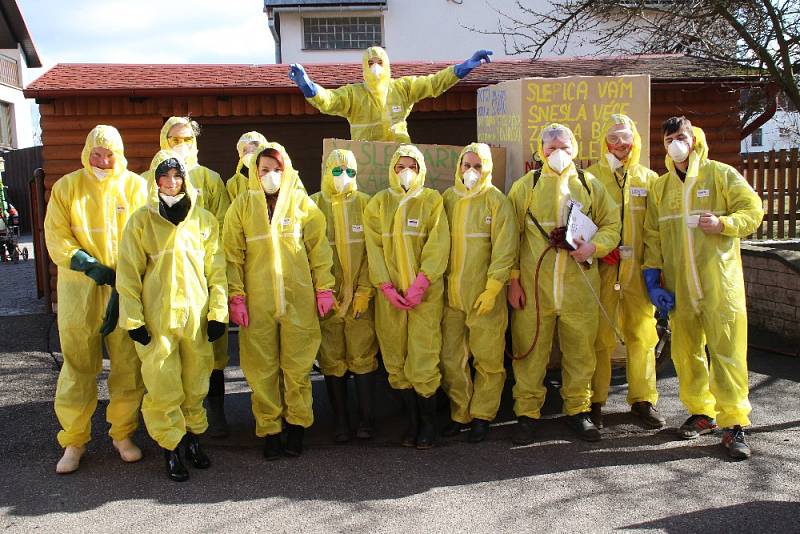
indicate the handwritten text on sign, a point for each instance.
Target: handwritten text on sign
{"x":584,"y":105}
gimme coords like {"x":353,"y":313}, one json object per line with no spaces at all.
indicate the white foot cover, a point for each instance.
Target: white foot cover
{"x":128,"y":450}
{"x":70,"y":461}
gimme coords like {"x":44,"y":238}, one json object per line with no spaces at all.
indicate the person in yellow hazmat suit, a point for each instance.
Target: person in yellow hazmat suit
{"x":279,"y":280}
{"x":179,"y":134}
{"x":483,"y":246}
{"x":622,"y":289}
{"x":378,"y":107}
{"x":85,"y":217}
{"x":696,"y":214}
{"x":349,"y":333}
{"x":408,"y":244}
{"x":173,"y":303}
{"x":248,"y":143}
{"x":553,"y":286}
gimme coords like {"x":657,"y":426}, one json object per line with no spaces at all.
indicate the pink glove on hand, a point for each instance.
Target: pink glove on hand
{"x":325,"y":302}
{"x":417,"y":290}
{"x":238,"y":310}
{"x":394,"y":297}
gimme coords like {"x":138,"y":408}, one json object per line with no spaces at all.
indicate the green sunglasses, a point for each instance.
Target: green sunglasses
{"x":337,"y":171}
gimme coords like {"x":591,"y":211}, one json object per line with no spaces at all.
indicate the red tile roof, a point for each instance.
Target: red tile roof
{"x":97,"y":79}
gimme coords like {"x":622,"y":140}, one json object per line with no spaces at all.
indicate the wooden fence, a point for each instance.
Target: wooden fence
{"x":775,"y":176}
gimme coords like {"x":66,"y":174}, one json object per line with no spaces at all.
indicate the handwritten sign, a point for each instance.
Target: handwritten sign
{"x":374,"y":158}
{"x":512,"y":114}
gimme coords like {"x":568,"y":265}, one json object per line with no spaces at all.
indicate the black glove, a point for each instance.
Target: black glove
{"x":140,"y":335}
{"x":112,"y":314}
{"x":215,"y":330}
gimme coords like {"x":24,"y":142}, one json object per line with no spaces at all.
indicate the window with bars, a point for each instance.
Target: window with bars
{"x":6,"y":120}
{"x":341,"y":33}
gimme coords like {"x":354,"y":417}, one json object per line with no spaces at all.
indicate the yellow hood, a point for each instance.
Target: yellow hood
{"x":636,"y":149}
{"x":338,"y":158}
{"x":482,"y":151}
{"x":377,"y":86}
{"x":697,"y":156}
{"x":152,"y":188}
{"x":289,"y":178}
{"x":191,"y":160}
{"x":540,"y":150}
{"x":394,"y":182}
{"x":244,"y":140}
{"x":109,"y":138}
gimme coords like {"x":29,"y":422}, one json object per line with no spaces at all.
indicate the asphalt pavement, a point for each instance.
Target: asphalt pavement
{"x":633,"y":480}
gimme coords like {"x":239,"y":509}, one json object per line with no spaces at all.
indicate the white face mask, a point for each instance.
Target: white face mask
{"x":376,"y":69}
{"x":170,"y":200}
{"x":678,"y":150}
{"x":271,"y":181}
{"x":471,"y":177}
{"x":406,"y":176}
{"x":101,"y":174}
{"x":613,"y":162}
{"x":558,"y":160}
{"x":184,"y":150}
{"x":342,"y":182}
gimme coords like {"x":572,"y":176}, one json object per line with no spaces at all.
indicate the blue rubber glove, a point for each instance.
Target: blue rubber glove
{"x":481,"y":56}
{"x":87,"y":264}
{"x":298,"y":75}
{"x":660,"y":297}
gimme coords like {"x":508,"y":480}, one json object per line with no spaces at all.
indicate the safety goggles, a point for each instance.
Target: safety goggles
{"x":179,"y":140}
{"x":623,"y":137}
{"x":337,"y":171}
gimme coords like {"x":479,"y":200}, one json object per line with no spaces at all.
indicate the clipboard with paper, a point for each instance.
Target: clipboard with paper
{"x":579,"y":225}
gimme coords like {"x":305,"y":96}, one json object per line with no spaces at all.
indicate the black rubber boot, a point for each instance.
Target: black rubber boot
{"x":175,"y":469}
{"x":294,"y":440}
{"x":427,"y":421}
{"x":478,"y":430}
{"x":217,"y":424}
{"x":365,"y":386}
{"x":337,"y":394}
{"x":272,"y":447}
{"x":194,"y":453}
{"x":409,"y":397}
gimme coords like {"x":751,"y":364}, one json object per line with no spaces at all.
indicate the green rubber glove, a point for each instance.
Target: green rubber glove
{"x":112,"y":314}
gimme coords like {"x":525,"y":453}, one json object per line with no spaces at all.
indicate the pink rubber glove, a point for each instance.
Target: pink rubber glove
{"x":325,"y":302}
{"x":238,"y":310}
{"x":417,"y":290}
{"x":394,"y":297}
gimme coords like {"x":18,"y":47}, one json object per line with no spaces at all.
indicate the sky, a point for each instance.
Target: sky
{"x":148,"y":31}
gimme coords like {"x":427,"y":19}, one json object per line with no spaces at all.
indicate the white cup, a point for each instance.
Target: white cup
{"x":692,"y":221}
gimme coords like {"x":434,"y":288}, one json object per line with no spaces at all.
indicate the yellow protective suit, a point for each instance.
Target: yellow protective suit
{"x":565,"y":299}
{"x":704,"y":272}
{"x":350,"y":342}
{"x":483,"y":245}
{"x":171,"y":280}
{"x":278,"y":265}
{"x":237,"y":183}
{"x":629,"y":306}
{"x":212,"y":195}
{"x":377,"y":108}
{"x":408,"y":234}
{"x":90,"y":214}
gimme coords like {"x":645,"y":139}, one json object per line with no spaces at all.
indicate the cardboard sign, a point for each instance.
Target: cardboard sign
{"x":512,"y":114}
{"x":374,"y":157}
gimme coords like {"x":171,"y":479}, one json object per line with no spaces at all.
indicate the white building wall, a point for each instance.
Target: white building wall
{"x":779,"y":133}
{"x":418,"y":30}
{"x":22,"y":121}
